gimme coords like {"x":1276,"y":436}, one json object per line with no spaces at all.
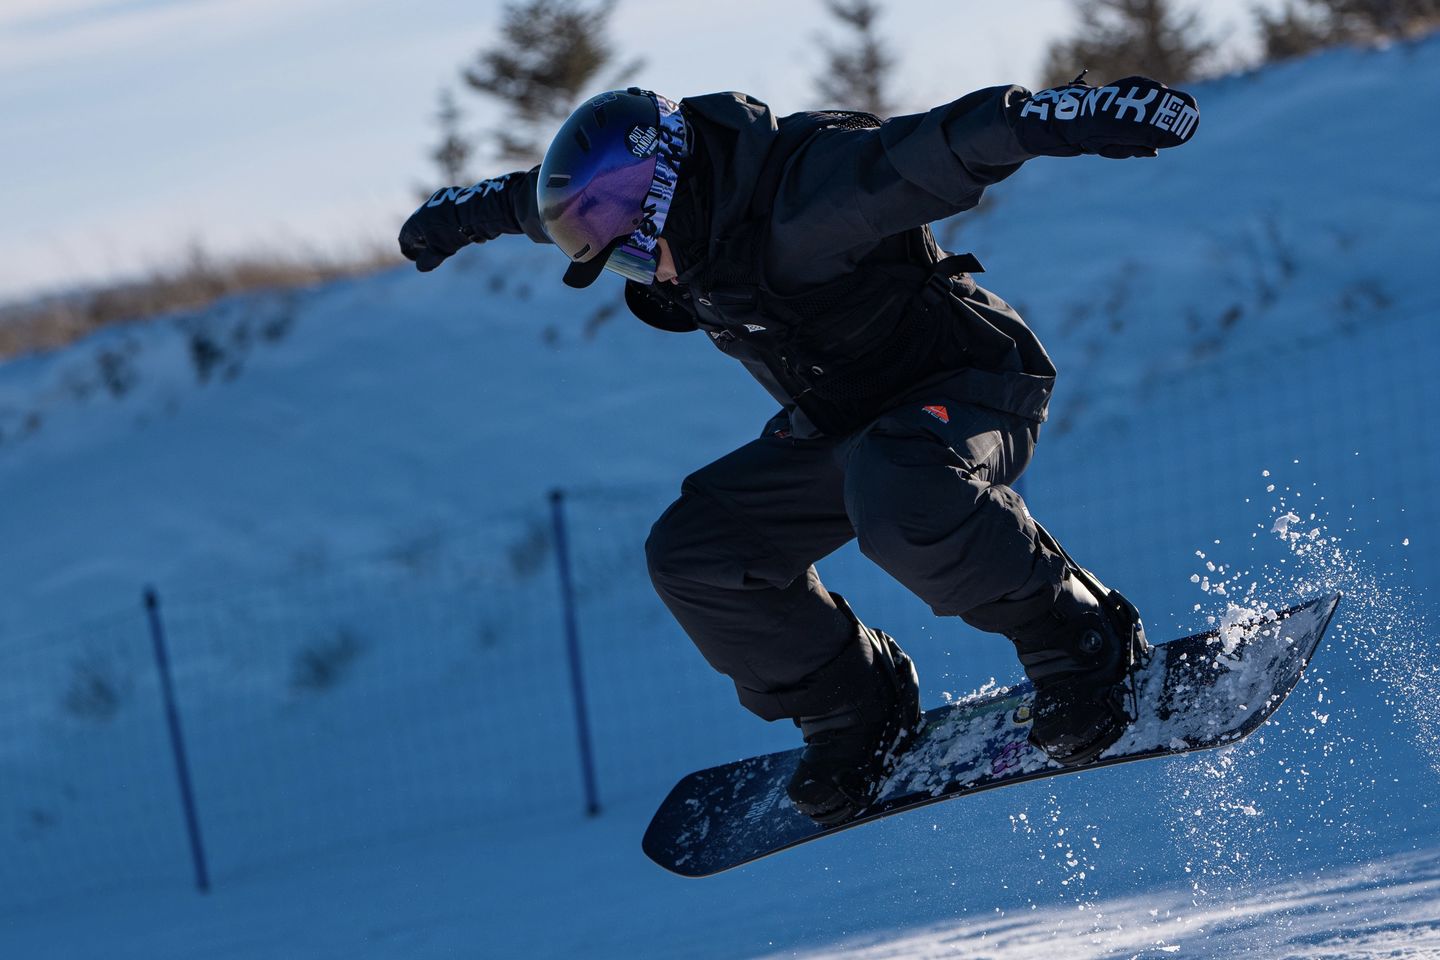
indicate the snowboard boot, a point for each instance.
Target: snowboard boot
{"x":1081,"y":655}
{"x":851,"y":749}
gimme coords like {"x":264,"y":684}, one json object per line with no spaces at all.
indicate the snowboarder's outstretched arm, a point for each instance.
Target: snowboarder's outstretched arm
{"x":847,"y":190}
{"x":454,"y":217}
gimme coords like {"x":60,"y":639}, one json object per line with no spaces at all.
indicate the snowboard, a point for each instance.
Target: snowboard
{"x":1195,"y":693}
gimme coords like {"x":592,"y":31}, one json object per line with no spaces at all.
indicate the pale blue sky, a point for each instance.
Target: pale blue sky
{"x":130,"y":128}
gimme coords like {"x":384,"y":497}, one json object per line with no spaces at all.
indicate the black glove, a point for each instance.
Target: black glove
{"x":456,"y":216}
{"x":1133,"y":117}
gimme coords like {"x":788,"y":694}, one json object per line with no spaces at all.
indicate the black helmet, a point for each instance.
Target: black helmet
{"x":607,"y":182}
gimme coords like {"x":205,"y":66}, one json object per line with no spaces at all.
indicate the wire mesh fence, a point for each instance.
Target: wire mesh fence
{"x":429,"y":687}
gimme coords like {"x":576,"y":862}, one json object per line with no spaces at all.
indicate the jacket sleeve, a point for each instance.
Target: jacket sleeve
{"x":847,"y":190}
{"x":522,"y":212}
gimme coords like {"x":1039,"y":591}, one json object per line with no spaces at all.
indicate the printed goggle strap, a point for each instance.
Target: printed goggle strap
{"x":636,"y":257}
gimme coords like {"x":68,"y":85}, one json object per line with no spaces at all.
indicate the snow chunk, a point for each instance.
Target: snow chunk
{"x":1282,"y":523}
{"x":1238,"y":622}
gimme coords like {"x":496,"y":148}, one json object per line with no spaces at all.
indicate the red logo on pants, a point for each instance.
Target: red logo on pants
{"x":938,"y":412}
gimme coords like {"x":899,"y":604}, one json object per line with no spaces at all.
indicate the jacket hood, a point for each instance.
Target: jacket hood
{"x":736,"y":131}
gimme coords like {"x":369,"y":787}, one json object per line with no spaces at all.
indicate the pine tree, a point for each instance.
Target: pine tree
{"x":856,"y":75}
{"x":1291,"y":31}
{"x":1118,"y":38}
{"x":1305,"y":25}
{"x":546,"y":59}
{"x":1368,"y":20}
{"x":452,"y":153}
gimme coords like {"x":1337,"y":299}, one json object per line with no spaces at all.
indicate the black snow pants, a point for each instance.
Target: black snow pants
{"x":925,"y":489}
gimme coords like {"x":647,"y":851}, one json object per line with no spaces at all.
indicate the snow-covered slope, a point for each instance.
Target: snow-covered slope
{"x":340,"y":422}
{"x":1245,"y":334}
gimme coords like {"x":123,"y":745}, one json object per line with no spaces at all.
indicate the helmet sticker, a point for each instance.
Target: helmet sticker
{"x":643,"y":141}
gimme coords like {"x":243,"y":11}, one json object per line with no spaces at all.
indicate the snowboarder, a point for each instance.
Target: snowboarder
{"x":912,"y":398}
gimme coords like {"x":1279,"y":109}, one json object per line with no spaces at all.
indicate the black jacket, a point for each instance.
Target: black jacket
{"x":825,"y":286}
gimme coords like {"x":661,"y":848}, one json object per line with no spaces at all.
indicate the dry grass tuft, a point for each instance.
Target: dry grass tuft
{"x":200,"y":280}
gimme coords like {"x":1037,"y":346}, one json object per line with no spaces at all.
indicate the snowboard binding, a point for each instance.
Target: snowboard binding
{"x":1083,"y":658}
{"x":851,"y":750}
{"x":1120,"y":700}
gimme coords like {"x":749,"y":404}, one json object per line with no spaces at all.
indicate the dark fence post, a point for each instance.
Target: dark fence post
{"x":177,"y":741}
{"x":572,"y":648}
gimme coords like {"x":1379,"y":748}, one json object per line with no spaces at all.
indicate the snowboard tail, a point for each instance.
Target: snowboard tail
{"x":1195,"y":693}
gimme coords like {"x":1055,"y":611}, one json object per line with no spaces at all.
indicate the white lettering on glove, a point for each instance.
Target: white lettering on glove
{"x":459,"y":195}
{"x":1175,"y":115}
{"x":1171,"y":113}
{"x":1132,"y":101}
